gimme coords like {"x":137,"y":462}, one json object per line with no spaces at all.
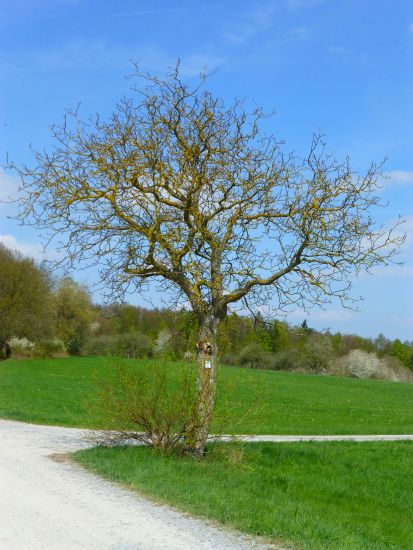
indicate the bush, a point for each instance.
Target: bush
{"x":148,"y":405}
{"x":50,"y":348}
{"x":164,"y":344}
{"x":393,"y":369}
{"x":132,"y":345}
{"x":316,"y":355}
{"x":403,"y":352}
{"x":230,"y":359}
{"x":360,"y":364}
{"x":254,"y":357}
{"x":21,"y":347}
{"x":289,"y":360}
{"x":99,"y":345}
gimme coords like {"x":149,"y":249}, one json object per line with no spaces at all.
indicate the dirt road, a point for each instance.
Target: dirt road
{"x":47,"y":503}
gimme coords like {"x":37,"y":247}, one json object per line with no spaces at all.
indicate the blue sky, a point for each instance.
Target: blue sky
{"x":343,"y":67}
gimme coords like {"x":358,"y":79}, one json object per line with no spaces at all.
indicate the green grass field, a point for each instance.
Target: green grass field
{"x":54,"y":391}
{"x":309,"y":495}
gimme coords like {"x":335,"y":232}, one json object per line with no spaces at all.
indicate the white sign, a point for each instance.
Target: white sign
{"x":207,"y":364}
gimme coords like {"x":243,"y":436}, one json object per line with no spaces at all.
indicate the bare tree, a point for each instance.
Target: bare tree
{"x":180,"y":189}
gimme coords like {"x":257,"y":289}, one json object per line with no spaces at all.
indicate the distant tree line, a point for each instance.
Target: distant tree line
{"x":42,"y":316}
{"x":39,"y":314}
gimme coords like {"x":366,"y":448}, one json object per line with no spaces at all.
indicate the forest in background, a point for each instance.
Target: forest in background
{"x":41,"y":316}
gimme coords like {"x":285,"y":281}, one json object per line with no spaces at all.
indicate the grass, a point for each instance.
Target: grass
{"x":54,"y":391}
{"x":340,"y":495}
{"x":310,"y":495}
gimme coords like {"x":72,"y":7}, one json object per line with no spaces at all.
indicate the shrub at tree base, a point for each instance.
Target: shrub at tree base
{"x":155,"y":404}
{"x":149,"y":406}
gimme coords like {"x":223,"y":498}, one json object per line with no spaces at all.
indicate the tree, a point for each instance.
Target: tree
{"x":180,"y":189}
{"x":25,"y":298}
{"x":306,"y":328}
{"x":317,"y":353}
{"x":382,"y":344}
{"x":404,"y":352}
{"x":280,"y":336}
{"x":74,"y":314}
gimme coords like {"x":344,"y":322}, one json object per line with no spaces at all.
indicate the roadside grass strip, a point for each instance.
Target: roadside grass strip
{"x":308,"y":495}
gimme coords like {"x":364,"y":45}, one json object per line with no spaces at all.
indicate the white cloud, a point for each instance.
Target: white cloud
{"x":411,"y":27}
{"x":32,"y":250}
{"x":398,"y":177}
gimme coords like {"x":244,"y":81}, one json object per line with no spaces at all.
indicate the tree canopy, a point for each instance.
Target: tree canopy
{"x":179,"y":188}
{"x":25,"y":299}
{"x":73,"y":310}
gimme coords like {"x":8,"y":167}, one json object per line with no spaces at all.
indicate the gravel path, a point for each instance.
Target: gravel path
{"x":293,"y":438}
{"x":47,"y":502}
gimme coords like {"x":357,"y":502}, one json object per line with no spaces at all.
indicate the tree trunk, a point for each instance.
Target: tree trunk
{"x":207,"y":363}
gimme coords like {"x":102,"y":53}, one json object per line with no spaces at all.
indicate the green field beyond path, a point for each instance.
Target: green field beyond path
{"x":54,"y":391}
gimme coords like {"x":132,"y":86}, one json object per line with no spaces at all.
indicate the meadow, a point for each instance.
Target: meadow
{"x":335,"y":495}
{"x":56,"y":391}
